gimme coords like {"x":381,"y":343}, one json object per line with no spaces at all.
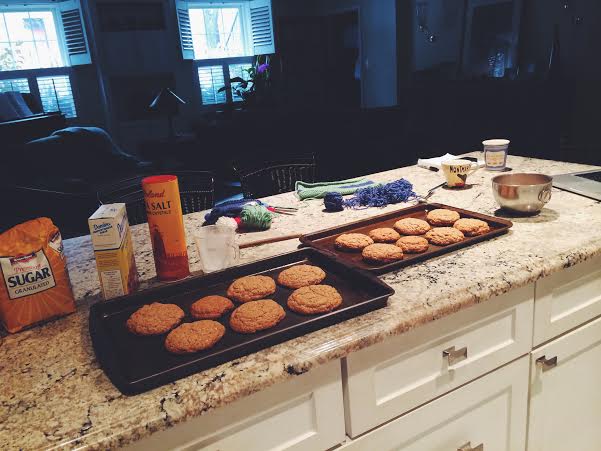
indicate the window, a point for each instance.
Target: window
{"x":223,"y":37}
{"x":15,"y":84}
{"x":56,"y":94}
{"x":217,"y":33}
{"x":238,"y":70}
{"x":212,"y":78}
{"x":29,"y":40}
{"x":38,"y":43}
{"x":215,"y":30}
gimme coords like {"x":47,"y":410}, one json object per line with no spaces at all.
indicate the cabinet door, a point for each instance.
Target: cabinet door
{"x":566,"y":299}
{"x":490,"y":411}
{"x":565,"y":393}
{"x":386,"y":380}
{"x":305,"y":413}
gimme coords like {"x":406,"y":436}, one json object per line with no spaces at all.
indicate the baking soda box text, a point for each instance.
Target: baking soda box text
{"x":111,"y":239}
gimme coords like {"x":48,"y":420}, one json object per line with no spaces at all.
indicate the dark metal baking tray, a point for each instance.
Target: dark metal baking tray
{"x":136,"y":364}
{"x":324,"y":240}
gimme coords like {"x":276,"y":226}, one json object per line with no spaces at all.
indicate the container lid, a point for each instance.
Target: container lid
{"x":158,"y":179}
{"x":496,"y":142}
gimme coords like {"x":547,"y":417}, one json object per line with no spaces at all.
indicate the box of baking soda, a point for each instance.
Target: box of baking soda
{"x":111,"y":239}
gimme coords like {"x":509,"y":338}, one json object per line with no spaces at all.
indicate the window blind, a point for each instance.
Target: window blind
{"x":211,"y":79}
{"x":15,"y":84}
{"x":56,"y":95}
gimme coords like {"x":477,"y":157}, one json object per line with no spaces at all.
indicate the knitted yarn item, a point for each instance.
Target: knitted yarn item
{"x":381,"y":195}
{"x":333,"y":202}
{"x":318,"y":190}
{"x":255,"y":217}
{"x":231,"y":209}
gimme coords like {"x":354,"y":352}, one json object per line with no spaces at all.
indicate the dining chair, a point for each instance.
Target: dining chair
{"x":267,"y":178}
{"x":196,"y":188}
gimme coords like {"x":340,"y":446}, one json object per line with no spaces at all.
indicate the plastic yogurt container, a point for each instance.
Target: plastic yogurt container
{"x":495,"y":154}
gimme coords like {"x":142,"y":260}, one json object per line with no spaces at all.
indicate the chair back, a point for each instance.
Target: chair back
{"x":69,"y":211}
{"x":196,"y":189}
{"x":276,"y":176}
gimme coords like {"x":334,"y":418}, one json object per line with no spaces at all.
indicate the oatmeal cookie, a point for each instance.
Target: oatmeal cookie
{"x":413,"y":244}
{"x":352,"y":241}
{"x":211,"y":307}
{"x":382,"y":253}
{"x":314,"y":299}
{"x":194,"y":337}
{"x":443,"y":236}
{"x":301,"y":276}
{"x":251,"y":288}
{"x":442,"y":217}
{"x":254,"y":316}
{"x":411,"y":226}
{"x":471,"y":227}
{"x":384,"y":235}
{"x":155,"y":319}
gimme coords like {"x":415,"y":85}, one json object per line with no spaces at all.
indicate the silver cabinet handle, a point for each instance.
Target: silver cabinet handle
{"x":545,"y":363}
{"x":468,"y":447}
{"x":454,"y":356}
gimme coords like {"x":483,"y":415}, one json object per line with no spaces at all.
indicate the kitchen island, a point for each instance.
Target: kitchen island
{"x":53,"y":393}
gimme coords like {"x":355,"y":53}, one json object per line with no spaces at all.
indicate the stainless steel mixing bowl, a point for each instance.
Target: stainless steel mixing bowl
{"x":525,"y":193}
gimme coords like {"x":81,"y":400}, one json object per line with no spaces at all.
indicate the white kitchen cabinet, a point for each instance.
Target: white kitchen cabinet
{"x":384,"y":381}
{"x":490,"y":411}
{"x":305,"y":413}
{"x":565,"y":393}
{"x":566,"y":299}
{"x":447,"y":385}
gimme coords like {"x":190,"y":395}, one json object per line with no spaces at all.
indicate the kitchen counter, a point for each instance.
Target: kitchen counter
{"x":53,"y":394}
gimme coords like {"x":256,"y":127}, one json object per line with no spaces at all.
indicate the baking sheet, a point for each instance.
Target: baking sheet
{"x":324,"y":240}
{"x":135,"y":364}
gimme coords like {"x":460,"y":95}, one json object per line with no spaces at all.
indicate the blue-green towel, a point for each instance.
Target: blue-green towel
{"x":319,"y":189}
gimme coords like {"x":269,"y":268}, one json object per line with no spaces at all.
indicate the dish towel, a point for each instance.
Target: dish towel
{"x":437,"y":162}
{"x":319,"y":189}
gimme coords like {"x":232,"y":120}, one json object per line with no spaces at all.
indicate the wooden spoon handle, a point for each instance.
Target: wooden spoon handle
{"x":273,"y":239}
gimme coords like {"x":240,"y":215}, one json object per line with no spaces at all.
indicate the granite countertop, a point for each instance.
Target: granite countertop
{"x":53,"y":394}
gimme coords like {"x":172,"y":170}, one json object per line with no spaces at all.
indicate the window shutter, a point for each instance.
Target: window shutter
{"x":74,"y":33}
{"x":211,"y":79}
{"x":15,"y":84}
{"x":261,"y":25}
{"x":56,"y":94}
{"x":185,"y":30}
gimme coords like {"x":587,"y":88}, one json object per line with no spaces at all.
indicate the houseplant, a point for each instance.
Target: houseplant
{"x":254,"y":88}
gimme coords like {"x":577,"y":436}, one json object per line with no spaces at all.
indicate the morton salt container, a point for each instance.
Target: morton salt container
{"x":166,"y":224}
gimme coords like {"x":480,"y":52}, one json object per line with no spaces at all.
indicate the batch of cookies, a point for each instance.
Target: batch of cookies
{"x":442,"y":227}
{"x":254,"y":313}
